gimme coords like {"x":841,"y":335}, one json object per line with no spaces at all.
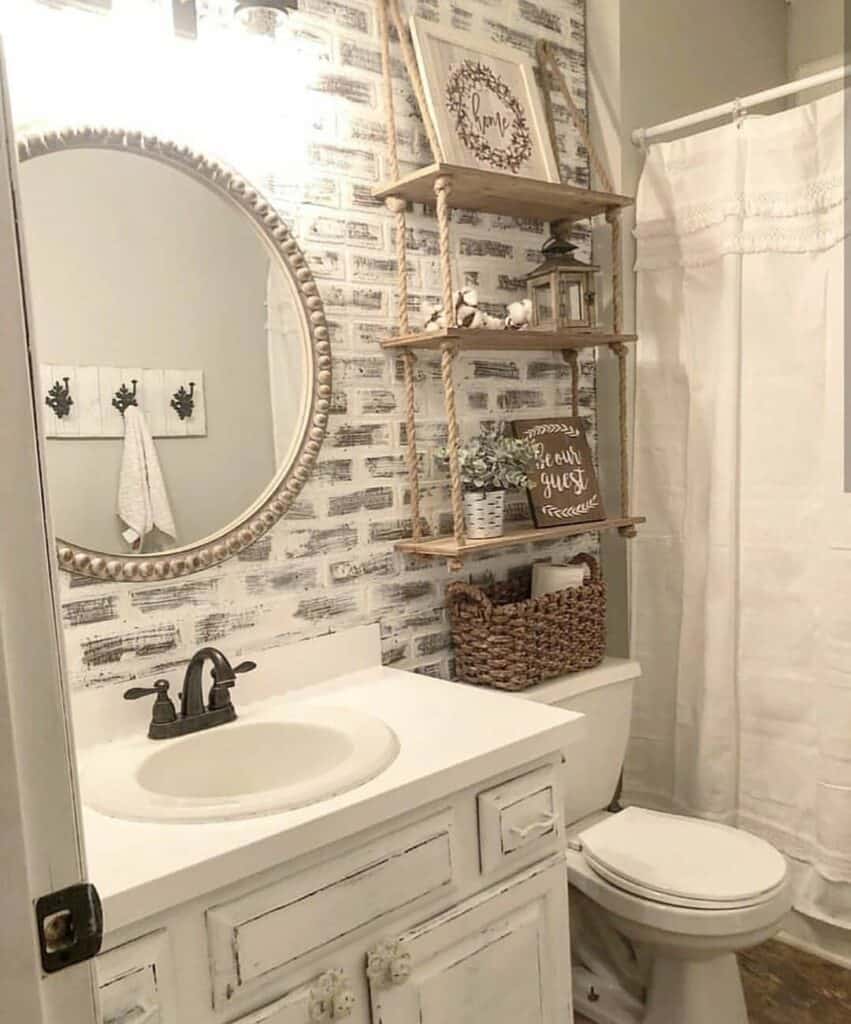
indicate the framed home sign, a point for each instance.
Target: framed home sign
{"x":484,"y":103}
{"x":563,"y":481}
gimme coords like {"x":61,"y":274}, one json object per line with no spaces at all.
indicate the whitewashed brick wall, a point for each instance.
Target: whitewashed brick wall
{"x":331,"y":562}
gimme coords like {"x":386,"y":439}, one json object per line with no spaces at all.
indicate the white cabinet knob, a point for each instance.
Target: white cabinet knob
{"x":387,"y":964}
{"x":331,"y":998}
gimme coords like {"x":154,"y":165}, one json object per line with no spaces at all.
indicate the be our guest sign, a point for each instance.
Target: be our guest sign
{"x":564,"y":484}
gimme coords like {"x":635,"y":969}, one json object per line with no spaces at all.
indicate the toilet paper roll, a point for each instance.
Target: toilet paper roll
{"x":548,"y":578}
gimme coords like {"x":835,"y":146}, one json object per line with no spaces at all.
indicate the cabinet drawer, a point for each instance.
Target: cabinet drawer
{"x":253,"y":937}
{"x":135,"y":982}
{"x":519,"y":820}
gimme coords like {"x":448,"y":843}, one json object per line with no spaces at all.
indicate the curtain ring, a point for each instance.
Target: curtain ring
{"x":642,"y":141}
{"x":739,"y":112}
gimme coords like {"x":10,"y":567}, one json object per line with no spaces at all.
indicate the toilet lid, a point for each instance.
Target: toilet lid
{"x":683,"y":862}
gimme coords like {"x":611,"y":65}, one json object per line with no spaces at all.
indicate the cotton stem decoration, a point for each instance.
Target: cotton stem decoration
{"x":469,"y":314}
{"x":518,"y":315}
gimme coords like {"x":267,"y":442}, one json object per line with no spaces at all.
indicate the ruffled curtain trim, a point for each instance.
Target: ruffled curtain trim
{"x":812,"y":198}
{"x":736,"y":237}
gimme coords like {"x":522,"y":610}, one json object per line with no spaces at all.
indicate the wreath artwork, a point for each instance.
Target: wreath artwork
{"x":463,"y":95}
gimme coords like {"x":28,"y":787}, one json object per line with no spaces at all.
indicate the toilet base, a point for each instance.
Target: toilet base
{"x":695,"y":991}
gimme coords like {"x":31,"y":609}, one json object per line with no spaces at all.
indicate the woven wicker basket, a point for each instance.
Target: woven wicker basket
{"x":506,"y":639}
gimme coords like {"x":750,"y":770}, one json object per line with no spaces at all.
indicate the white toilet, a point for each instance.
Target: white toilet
{"x":687,"y":893}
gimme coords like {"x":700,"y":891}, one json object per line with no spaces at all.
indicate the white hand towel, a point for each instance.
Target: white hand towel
{"x":142,"y":498}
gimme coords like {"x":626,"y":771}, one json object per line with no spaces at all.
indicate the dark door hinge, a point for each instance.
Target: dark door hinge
{"x":70,"y":926}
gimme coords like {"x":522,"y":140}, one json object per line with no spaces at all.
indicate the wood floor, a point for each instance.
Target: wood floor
{"x":785,"y":986}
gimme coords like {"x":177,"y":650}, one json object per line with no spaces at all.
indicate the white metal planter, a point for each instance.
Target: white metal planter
{"x":484,"y":514}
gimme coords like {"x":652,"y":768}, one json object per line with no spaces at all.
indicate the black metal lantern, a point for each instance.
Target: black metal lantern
{"x":561,"y":289}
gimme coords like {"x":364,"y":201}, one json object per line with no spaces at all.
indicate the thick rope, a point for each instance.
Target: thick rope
{"x":409,"y":57}
{"x":621,"y":352}
{"x":387,"y":77}
{"x":552,"y":71}
{"x":548,"y":106}
{"x":395,"y":204}
{"x":408,"y":361}
{"x":411,"y":455}
{"x":614,"y":219}
{"x":572,"y":358}
{"x":447,"y":357}
{"x":546,"y":59}
{"x":442,"y":188}
{"x":397,"y":207}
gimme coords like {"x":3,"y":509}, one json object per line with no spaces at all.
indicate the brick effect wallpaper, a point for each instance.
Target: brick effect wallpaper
{"x":331,"y":563}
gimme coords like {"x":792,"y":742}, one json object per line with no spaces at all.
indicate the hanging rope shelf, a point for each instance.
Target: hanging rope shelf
{"x":448,"y":186}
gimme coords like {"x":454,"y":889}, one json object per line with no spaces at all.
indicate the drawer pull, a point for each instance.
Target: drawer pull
{"x":331,"y":998}
{"x":543,"y":824}
{"x":519,"y":820}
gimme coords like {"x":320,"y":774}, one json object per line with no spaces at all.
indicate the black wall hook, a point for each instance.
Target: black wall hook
{"x":182,"y":401}
{"x":59,"y":398}
{"x":124,"y":398}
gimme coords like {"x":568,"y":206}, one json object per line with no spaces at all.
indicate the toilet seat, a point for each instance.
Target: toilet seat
{"x":683,"y":862}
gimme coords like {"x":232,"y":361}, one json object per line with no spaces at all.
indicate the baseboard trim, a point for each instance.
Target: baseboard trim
{"x":814,"y":949}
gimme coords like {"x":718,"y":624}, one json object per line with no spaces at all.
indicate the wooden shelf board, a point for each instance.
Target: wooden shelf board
{"x":481,"y":339}
{"x":493,"y":192}
{"x":447,"y":547}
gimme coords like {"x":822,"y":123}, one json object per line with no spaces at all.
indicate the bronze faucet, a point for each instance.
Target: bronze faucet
{"x":194,"y":716}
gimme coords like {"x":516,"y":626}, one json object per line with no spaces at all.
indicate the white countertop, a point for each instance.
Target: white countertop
{"x":450,"y":736}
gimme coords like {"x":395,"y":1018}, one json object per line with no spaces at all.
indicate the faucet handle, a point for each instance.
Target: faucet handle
{"x":219,"y":696}
{"x":135,"y":692}
{"x":164,"y":710}
{"x":243,"y":666}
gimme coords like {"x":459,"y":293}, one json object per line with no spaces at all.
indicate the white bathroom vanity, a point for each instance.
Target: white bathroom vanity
{"x":435,"y":893}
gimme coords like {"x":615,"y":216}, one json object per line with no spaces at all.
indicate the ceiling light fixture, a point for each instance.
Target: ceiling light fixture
{"x":263,"y":16}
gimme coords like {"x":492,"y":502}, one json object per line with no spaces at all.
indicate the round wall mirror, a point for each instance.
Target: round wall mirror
{"x":184,"y":356}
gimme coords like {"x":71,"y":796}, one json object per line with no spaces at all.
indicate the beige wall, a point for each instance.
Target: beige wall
{"x":816,"y":33}
{"x":680,"y":56}
{"x":650,"y":61}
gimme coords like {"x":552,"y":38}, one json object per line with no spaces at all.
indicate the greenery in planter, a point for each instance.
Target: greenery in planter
{"x":491,"y":461}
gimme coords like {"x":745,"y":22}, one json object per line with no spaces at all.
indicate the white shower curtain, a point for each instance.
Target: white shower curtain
{"x":741,"y":606}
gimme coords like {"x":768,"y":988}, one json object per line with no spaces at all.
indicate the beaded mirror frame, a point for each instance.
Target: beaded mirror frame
{"x":276,"y":500}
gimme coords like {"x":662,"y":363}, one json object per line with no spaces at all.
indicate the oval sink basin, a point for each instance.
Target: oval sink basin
{"x":267,"y":761}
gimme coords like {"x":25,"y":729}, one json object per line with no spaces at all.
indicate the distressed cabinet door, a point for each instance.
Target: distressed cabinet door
{"x":501,"y":957}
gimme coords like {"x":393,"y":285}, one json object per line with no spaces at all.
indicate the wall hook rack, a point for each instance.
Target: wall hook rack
{"x":59,"y":398}
{"x":182,"y":401}
{"x":124,"y":397}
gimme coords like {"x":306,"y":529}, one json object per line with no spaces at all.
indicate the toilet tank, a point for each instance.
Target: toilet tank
{"x":592,"y":764}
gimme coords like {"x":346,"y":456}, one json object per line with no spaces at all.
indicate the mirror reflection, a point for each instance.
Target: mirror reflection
{"x":174,"y":351}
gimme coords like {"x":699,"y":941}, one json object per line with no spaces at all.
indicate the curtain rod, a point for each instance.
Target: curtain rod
{"x":739,"y":107}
